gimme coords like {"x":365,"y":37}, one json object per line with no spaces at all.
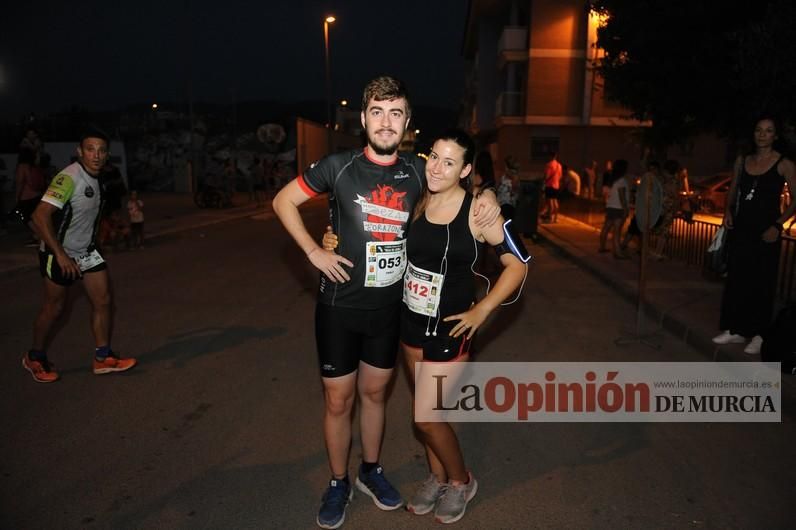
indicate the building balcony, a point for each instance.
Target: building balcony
{"x":512,"y":46}
{"x":513,"y":38}
{"x":510,"y":104}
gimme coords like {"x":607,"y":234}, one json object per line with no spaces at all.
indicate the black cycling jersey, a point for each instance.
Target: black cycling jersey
{"x":370,"y":205}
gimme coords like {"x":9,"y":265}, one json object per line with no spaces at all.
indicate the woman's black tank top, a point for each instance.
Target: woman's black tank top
{"x":425,"y":248}
{"x":758,"y":199}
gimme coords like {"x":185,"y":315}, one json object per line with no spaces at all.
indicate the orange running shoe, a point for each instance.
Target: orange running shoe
{"x":41,"y":370}
{"x":111,"y":363}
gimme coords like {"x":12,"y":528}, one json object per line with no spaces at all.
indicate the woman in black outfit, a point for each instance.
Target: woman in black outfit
{"x":442,"y":248}
{"x":754,"y":220}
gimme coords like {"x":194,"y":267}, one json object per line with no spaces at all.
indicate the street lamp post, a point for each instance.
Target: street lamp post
{"x":328,"y":20}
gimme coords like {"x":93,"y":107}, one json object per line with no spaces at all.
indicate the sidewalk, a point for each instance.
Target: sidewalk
{"x":164,"y":213}
{"x":678,"y":298}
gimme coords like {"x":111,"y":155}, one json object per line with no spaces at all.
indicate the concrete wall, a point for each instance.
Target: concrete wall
{"x":556,"y":65}
{"x":558,"y":24}
{"x":577,"y":146}
{"x":312,"y":142}
{"x":554,"y":86}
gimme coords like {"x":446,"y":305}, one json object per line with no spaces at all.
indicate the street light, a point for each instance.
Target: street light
{"x":328,"y":20}
{"x":153,"y":116}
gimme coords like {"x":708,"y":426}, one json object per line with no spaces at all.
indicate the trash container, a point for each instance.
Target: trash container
{"x":526,"y":217}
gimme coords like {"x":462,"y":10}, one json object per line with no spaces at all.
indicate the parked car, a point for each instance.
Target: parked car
{"x":711,"y":194}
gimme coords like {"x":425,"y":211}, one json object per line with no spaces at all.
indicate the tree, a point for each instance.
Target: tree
{"x":765,"y":69}
{"x":695,"y":66}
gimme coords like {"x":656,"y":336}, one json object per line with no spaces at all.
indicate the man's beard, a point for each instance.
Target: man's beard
{"x":384,"y":151}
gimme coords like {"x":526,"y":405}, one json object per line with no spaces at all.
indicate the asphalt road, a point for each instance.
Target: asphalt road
{"x":219,"y":425}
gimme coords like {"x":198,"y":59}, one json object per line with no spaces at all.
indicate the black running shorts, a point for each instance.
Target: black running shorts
{"x":439,"y":348}
{"x":49,"y":268}
{"x":552,"y":193}
{"x":345,"y":336}
{"x":614,"y":214}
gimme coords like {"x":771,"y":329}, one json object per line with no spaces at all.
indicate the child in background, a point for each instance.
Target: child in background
{"x":135,"y":207}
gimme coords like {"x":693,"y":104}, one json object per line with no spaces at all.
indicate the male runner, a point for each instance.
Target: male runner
{"x":69,"y":253}
{"x":372,"y":192}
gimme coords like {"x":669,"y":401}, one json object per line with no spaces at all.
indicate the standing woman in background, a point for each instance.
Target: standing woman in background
{"x":617,"y":207}
{"x":754,"y":221}
{"x":508,"y":188}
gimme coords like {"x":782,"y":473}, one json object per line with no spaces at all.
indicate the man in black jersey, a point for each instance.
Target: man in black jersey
{"x":372,"y":192}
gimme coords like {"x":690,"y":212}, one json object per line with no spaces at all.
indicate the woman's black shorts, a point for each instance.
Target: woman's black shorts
{"x":614,"y":214}
{"x":439,"y":348}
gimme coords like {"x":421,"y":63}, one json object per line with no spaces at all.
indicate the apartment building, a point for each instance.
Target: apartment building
{"x":532,"y":89}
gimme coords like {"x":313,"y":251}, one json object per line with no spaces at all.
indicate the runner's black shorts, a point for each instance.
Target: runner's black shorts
{"x":346,"y":336}
{"x":49,"y":268}
{"x":552,"y":193}
{"x":436,"y":348}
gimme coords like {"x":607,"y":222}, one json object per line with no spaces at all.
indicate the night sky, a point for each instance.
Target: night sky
{"x":105,"y":55}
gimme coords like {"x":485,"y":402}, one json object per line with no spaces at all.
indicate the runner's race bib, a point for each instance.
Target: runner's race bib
{"x":422,"y":290}
{"x":386,"y":262}
{"x":89,"y":260}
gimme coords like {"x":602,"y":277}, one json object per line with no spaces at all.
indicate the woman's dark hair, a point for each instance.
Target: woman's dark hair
{"x":619,"y":169}
{"x":463,"y":140}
